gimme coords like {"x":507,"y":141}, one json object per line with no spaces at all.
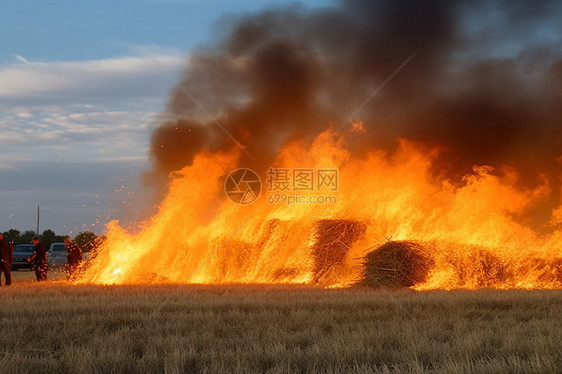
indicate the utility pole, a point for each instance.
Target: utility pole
{"x":37,"y":232}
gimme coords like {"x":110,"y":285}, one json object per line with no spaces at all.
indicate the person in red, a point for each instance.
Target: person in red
{"x":74,"y":256}
{"x":6,"y":259}
{"x":39,"y":258}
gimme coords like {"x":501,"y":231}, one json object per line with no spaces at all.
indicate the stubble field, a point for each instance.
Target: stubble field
{"x":59,"y":328}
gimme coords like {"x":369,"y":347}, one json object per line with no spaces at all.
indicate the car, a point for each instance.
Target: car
{"x":57,"y":255}
{"x":21,"y":253}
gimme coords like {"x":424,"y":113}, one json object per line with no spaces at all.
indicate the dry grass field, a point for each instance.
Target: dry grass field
{"x":59,"y":328}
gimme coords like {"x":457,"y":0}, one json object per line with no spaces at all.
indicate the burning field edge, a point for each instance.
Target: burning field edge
{"x":444,"y":236}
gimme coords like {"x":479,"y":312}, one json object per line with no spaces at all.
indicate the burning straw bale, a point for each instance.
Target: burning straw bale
{"x":545,"y":271}
{"x":396,"y":264}
{"x":234,"y":257}
{"x":556,"y":265}
{"x":270,"y":229}
{"x":490,"y":269}
{"x":472,"y":265}
{"x":332,"y":240}
{"x":478,"y":267}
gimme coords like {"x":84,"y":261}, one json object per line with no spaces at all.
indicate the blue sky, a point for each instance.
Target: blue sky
{"x":80,"y":95}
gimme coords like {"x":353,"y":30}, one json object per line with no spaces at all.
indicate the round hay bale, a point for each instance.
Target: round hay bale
{"x":396,"y":264}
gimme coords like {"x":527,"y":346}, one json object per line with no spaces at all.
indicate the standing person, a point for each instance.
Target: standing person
{"x":6,"y":259}
{"x":39,"y":258}
{"x":74,"y":256}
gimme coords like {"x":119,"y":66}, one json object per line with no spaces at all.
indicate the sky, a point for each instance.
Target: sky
{"x":82,"y":86}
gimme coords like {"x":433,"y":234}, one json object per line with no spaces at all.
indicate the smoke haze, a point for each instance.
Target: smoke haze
{"x":485,"y":85}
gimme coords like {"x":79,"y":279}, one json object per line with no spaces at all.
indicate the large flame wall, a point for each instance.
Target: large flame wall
{"x":200,"y":236}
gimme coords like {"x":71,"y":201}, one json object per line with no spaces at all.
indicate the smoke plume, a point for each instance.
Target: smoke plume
{"x":484,"y":85}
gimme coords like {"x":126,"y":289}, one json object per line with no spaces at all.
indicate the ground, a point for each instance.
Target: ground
{"x":60,"y":328}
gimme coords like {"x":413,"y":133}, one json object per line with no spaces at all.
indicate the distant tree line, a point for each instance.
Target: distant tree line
{"x":87,"y":240}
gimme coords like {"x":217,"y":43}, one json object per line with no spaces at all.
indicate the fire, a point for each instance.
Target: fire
{"x":199,"y":236}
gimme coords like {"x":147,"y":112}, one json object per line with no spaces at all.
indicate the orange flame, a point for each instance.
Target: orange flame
{"x":199,"y":236}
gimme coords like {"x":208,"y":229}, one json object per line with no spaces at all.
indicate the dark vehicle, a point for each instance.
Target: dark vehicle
{"x":21,"y":253}
{"x":57,"y":255}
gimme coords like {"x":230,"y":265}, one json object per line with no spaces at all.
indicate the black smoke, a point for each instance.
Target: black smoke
{"x":484,"y":85}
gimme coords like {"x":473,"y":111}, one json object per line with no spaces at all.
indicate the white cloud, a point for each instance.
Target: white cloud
{"x":138,"y":76}
{"x":73,"y":109}
{"x":69,"y":129}
{"x":77,"y":133}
